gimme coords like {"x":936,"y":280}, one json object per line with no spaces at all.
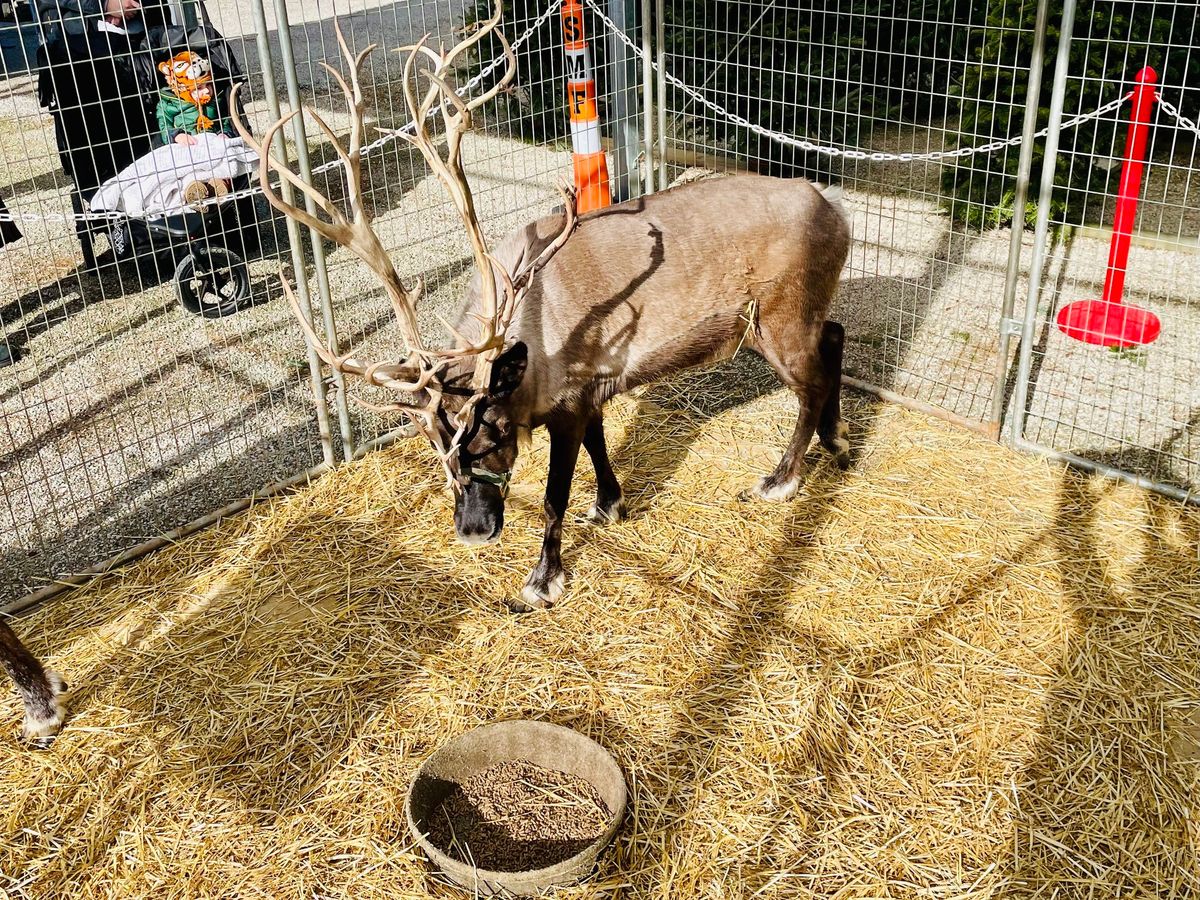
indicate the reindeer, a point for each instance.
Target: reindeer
{"x":41,"y":689}
{"x":572,"y":310}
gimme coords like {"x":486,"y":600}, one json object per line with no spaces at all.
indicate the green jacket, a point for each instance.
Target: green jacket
{"x":176,"y":116}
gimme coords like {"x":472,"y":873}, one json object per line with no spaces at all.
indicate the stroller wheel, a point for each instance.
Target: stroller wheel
{"x":212,"y":282}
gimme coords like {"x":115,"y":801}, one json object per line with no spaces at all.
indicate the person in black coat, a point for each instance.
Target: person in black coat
{"x":96,"y":79}
{"x":9,"y":231}
{"x":75,"y":18}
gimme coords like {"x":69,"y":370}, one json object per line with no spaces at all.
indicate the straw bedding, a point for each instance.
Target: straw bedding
{"x":951,"y":672}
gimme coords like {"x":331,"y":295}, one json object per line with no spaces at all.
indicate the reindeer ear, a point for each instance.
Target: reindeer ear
{"x":508,"y":370}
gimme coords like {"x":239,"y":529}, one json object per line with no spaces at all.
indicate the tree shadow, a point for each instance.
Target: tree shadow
{"x":1103,"y":806}
{"x":824,"y":785}
{"x":1093,"y":791}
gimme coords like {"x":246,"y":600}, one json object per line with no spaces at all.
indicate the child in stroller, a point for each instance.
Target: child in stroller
{"x":172,"y":215}
{"x":187,"y":106}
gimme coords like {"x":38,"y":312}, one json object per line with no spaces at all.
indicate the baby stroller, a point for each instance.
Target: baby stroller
{"x":203,"y":250}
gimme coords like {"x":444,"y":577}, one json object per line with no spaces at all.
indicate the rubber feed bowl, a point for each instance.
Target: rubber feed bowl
{"x":551,"y":747}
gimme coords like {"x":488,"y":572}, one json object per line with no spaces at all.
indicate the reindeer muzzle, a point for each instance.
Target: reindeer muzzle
{"x":499,"y":479}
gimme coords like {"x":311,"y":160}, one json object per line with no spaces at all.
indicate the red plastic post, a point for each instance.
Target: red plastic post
{"x":1131,"y":184}
{"x":1109,"y":322}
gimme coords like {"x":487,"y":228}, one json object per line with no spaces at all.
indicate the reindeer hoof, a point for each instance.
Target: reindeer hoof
{"x":543,"y":596}
{"x":839,"y":446}
{"x":608,"y":513}
{"x":775,"y":491}
{"x":41,"y":726}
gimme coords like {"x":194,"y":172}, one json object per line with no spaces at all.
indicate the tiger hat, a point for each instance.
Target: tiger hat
{"x":189,"y":76}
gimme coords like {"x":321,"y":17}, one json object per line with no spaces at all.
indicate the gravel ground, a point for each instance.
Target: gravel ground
{"x":126,"y":416}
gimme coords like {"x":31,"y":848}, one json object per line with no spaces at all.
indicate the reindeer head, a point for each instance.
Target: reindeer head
{"x":458,"y":398}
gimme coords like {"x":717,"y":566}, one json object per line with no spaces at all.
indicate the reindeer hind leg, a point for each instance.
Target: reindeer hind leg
{"x":805,"y":361}
{"x":834,"y":435}
{"x":785,"y":480}
{"x":610,"y":500}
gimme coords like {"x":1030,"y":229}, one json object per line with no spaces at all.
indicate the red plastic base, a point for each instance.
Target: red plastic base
{"x":1108,"y":324}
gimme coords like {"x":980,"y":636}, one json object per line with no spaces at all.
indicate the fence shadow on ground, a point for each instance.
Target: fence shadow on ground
{"x":122,"y":520}
{"x":150,"y":500}
{"x":1090,"y":810}
{"x":244,"y":649}
{"x":1088,"y":767}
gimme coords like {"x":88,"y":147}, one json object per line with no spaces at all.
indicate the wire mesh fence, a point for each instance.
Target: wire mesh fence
{"x":165,"y":377}
{"x":1132,"y":407}
{"x":879,"y":91}
{"x":921,"y":300}
{"x":124,"y":413}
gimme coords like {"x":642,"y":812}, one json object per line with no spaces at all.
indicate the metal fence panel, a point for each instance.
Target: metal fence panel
{"x":924,"y":301}
{"x":123,"y":415}
{"x":514,"y":159}
{"x":1134,"y":409}
{"x":922,"y":296}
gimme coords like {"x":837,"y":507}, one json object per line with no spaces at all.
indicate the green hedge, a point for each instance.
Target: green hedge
{"x":535,"y":108}
{"x":836,"y":74}
{"x":1099,"y":70}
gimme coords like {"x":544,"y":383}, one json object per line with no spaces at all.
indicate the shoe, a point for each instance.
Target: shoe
{"x":196,"y":192}
{"x":219,"y":187}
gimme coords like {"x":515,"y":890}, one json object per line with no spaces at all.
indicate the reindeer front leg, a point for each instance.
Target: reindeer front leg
{"x":545,"y":583}
{"x":40,"y":690}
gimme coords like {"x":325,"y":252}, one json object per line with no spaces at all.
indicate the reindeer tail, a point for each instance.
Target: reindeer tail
{"x":833,"y":194}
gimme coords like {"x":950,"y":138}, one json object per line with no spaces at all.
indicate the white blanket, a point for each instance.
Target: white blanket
{"x":153,"y":185}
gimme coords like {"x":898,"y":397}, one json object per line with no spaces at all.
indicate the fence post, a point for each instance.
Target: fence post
{"x":300,"y":136}
{"x":293,"y":230}
{"x":1042,"y":228}
{"x":647,"y":99}
{"x":625,"y":101}
{"x":1024,"y":164}
{"x":660,"y":38}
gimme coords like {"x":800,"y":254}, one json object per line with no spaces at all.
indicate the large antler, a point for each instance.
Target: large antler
{"x":498,"y":305}
{"x":355,"y":232}
{"x":501,"y":291}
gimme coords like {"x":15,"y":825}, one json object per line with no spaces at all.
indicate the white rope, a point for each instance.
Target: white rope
{"x":383,"y":141}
